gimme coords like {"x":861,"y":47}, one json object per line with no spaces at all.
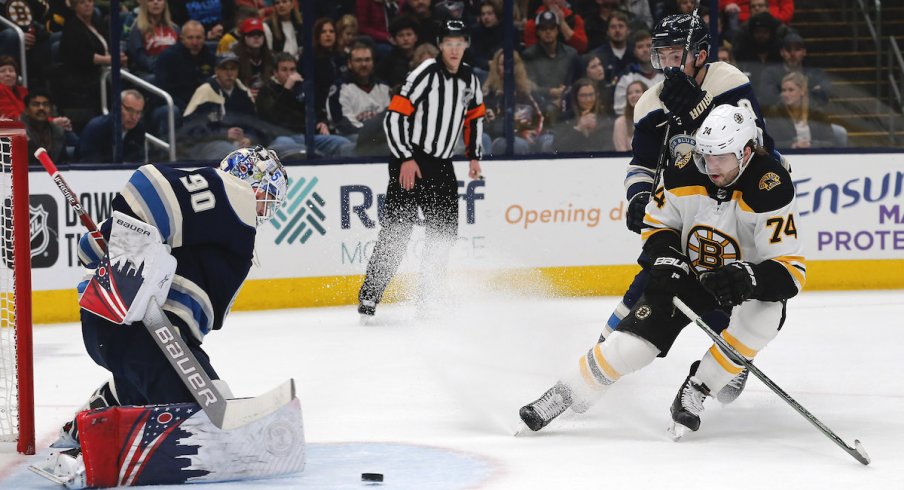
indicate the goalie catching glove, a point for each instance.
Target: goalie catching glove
{"x":687,"y":103}
{"x":137,"y":269}
{"x":731,"y":285}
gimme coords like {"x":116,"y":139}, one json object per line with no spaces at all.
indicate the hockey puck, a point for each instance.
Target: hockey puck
{"x":372,"y":477}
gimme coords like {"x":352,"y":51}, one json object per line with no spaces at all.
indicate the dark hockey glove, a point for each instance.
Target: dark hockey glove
{"x":669,"y":274}
{"x":687,"y":103}
{"x":732,"y":284}
{"x":637,"y":209}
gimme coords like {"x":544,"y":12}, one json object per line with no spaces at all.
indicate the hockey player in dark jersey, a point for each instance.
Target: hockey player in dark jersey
{"x":207,"y":220}
{"x":720,"y":234}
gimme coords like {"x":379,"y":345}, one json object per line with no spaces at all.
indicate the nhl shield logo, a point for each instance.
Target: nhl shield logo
{"x":466,"y":96}
{"x":37,"y":229}
{"x":681,"y":148}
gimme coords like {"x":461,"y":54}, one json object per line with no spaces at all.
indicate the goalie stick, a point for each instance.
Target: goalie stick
{"x":225,"y":414}
{"x":857,"y":451}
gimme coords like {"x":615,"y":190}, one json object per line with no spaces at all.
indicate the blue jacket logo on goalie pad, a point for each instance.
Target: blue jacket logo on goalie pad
{"x":177,"y":443}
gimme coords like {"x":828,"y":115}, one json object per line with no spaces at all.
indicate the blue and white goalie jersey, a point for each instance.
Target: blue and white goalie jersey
{"x":208,"y":217}
{"x":751,"y":221}
{"x":724,"y":82}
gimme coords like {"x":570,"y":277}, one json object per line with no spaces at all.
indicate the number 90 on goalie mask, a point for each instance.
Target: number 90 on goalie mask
{"x":262,"y":169}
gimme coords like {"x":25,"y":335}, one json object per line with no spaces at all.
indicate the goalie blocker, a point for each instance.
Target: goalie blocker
{"x":176,"y":444}
{"x":137,"y":269}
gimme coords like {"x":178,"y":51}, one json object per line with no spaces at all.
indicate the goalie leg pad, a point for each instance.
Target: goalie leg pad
{"x":175,"y":444}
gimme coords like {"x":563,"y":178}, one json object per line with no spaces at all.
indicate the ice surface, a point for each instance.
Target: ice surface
{"x":434,"y":405}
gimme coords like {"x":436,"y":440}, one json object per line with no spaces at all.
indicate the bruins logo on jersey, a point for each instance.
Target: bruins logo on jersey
{"x":681,"y":147}
{"x":709,"y":248}
{"x":769,"y":181}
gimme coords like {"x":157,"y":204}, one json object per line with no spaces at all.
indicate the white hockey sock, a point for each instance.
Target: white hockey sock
{"x":621,"y":354}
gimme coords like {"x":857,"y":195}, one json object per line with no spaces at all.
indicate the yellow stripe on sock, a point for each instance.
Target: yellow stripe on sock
{"x":585,"y":372}
{"x":738,"y":345}
{"x":723,"y":361}
{"x":604,"y":365}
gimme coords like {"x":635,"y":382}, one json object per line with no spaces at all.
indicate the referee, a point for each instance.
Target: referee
{"x":438,"y":100}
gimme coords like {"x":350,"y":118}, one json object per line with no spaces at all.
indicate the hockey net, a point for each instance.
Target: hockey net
{"x":16,"y":384}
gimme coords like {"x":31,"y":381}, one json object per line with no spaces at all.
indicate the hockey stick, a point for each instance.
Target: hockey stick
{"x":857,"y":452}
{"x":225,"y":414}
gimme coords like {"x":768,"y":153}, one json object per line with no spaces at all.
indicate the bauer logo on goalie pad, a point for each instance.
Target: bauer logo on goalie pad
{"x":136,"y":269}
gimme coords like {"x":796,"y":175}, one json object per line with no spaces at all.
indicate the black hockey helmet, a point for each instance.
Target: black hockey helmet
{"x":453,"y":28}
{"x":673,"y":30}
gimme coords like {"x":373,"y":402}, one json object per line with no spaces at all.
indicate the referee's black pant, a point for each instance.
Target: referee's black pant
{"x":436,"y":195}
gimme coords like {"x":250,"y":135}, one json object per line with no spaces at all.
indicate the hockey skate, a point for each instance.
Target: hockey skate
{"x":63,"y":467}
{"x":688,"y":405}
{"x":733,"y":389}
{"x":367,"y":309}
{"x":542,"y":411}
{"x":68,"y":438}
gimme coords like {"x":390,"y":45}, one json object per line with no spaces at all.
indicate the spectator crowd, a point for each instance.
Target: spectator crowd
{"x":233,"y":68}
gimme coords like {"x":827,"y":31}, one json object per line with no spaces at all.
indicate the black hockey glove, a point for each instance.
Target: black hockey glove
{"x":731,"y":285}
{"x":637,"y":209}
{"x":669,"y":275}
{"x":688,"y":105}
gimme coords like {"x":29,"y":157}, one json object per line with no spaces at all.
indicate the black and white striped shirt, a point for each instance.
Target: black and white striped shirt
{"x":432,"y":109}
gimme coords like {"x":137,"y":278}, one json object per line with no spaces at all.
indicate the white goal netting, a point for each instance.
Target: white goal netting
{"x":9,"y":401}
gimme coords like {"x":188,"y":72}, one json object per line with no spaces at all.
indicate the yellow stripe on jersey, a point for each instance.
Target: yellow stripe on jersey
{"x":739,"y":196}
{"x":723,"y":361}
{"x":689,"y":190}
{"x":649,"y":219}
{"x":645,"y":235}
{"x":797,"y":267}
{"x":738,"y":345}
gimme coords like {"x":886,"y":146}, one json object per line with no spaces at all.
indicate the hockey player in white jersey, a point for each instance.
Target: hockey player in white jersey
{"x":720,"y":234}
{"x":670,"y":111}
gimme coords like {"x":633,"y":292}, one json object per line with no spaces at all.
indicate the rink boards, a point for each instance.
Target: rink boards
{"x":550,"y":225}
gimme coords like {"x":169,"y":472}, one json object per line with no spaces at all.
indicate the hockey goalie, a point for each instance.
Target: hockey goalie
{"x":172,"y":259}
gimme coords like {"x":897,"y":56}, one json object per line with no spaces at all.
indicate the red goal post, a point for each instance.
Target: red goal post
{"x":16,"y":372}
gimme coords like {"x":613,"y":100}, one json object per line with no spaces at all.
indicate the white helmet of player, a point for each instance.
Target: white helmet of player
{"x":727,"y":130}
{"x":262,"y":169}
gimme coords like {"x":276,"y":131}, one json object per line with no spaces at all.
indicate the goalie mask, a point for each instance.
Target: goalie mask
{"x":262,"y":169}
{"x":721,"y":140}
